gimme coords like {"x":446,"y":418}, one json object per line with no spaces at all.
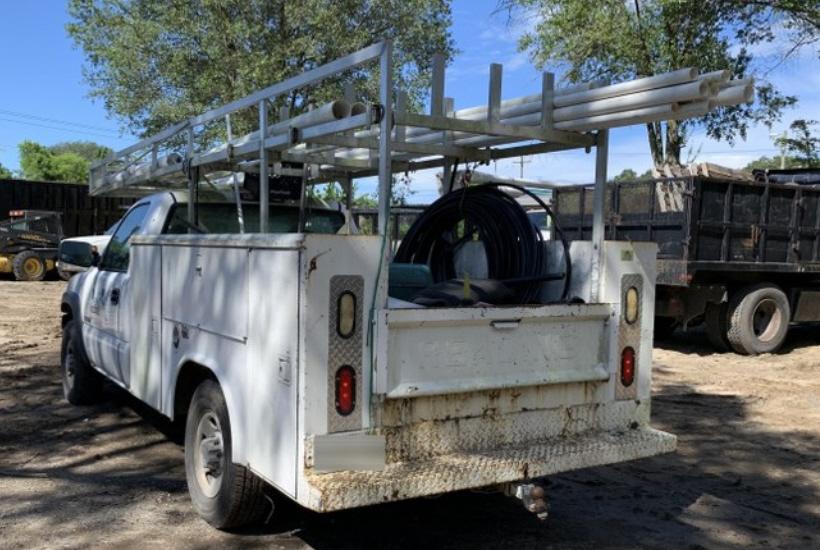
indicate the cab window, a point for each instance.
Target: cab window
{"x":117,"y":252}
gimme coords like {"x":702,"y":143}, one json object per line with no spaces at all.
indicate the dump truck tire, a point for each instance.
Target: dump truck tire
{"x":82,"y":385}
{"x":758,"y":319}
{"x":665,"y":327}
{"x":28,"y":266}
{"x":225,"y":494}
{"x":717,"y":326}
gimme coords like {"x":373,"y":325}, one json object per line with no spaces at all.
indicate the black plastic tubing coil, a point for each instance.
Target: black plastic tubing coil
{"x":514,"y":245}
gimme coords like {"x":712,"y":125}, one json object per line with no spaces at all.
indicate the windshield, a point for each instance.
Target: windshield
{"x":222,"y":218}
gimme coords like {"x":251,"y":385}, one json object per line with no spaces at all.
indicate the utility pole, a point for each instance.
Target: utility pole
{"x":780,"y":140}
{"x":783,"y":150}
{"x":521,"y":162}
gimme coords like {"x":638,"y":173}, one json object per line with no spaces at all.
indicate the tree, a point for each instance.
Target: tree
{"x":156,"y":63}
{"x":620,"y":40}
{"x":5,"y":173}
{"x":770,"y":163}
{"x":627,"y":174}
{"x":803,"y":145}
{"x":88,"y":150}
{"x":41,"y":163}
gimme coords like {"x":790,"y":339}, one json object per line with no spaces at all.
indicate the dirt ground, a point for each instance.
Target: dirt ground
{"x":746,"y":473}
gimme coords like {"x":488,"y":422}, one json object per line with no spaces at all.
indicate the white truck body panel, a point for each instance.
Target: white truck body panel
{"x":447,"y":398}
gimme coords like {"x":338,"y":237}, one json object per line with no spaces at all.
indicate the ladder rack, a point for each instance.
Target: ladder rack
{"x":343,"y":141}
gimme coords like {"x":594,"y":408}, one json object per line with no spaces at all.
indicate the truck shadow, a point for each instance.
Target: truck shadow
{"x":733,"y":483}
{"x":695,"y":341}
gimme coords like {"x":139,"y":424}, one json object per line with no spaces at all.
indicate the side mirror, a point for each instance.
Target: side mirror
{"x":78,"y":254}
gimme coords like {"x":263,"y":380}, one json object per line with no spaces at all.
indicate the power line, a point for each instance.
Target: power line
{"x":67,"y":130}
{"x":18,"y":114}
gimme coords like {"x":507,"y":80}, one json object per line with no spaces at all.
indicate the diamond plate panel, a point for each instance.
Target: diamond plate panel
{"x":344,"y":351}
{"x":629,"y":335}
{"x":465,"y":470}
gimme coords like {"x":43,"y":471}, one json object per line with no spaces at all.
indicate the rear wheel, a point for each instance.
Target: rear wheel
{"x":225,"y":494}
{"x":28,"y":266}
{"x":758,"y":318}
{"x":82,"y":385}
{"x":717,"y":325}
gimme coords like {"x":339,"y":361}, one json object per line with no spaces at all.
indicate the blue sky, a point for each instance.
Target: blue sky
{"x":43,"y":96}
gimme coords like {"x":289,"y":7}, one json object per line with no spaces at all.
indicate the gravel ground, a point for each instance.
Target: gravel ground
{"x":746,"y":474}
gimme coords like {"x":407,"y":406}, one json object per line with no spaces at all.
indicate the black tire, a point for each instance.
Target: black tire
{"x":28,"y":266}
{"x":82,"y":385}
{"x":717,"y":326}
{"x":224,"y":494}
{"x":664,"y":328}
{"x":758,"y":319}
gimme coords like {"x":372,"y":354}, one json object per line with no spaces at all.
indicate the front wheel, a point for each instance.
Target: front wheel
{"x":758,"y":318}
{"x":82,"y":385}
{"x":223,"y":493}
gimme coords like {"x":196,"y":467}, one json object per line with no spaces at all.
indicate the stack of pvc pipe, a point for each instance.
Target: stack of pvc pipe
{"x":669,"y":96}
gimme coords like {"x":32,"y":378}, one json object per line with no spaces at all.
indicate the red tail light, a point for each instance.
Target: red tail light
{"x":627,"y":366}
{"x":345,"y":390}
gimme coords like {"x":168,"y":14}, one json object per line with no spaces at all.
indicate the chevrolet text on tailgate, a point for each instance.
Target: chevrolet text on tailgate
{"x":344,"y":369}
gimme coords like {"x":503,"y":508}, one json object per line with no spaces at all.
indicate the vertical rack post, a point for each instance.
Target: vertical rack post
{"x":494,"y":95}
{"x":192,"y":179}
{"x":347,"y":187}
{"x":385,"y":127}
{"x":437,"y":107}
{"x":264,"y":182}
{"x":598,"y":223}
{"x":547,"y":94}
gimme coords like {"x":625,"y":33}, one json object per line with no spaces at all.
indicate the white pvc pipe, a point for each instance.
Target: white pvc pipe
{"x":629,"y":87}
{"x":736,"y":95}
{"x":716,"y":76}
{"x":328,"y":112}
{"x":624,"y":118}
{"x":673,"y":94}
{"x":737,"y":82}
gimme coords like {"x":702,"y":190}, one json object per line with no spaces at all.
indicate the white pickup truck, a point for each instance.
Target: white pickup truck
{"x":261,"y":341}
{"x":269,"y":328}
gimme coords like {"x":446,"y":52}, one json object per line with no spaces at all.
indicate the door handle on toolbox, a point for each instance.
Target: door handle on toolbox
{"x":505,"y":324}
{"x":115,"y":296}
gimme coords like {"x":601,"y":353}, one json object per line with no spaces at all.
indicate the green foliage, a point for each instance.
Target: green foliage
{"x":88,"y":150}
{"x":619,"y":40}
{"x":156,"y":63}
{"x":5,"y":173}
{"x":800,"y":149}
{"x":802,"y":144}
{"x":771,"y":163}
{"x":627,"y":174}
{"x":333,"y":192}
{"x":58,"y":163}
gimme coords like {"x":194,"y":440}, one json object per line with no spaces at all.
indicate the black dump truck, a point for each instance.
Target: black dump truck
{"x":741,"y":256}
{"x":28,"y":243}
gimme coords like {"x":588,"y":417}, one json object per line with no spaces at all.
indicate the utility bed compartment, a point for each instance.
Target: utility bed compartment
{"x":458,"y":350}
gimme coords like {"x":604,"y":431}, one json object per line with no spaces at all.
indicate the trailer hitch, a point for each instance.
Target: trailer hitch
{"x":532,"y":495}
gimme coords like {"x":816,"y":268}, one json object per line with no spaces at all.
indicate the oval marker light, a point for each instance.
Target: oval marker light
{"x":631,"y":305}
{"x":346,"y":315}
{"x":627,"y":366}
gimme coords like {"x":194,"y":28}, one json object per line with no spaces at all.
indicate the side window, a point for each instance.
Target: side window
{"x":116,"y":253}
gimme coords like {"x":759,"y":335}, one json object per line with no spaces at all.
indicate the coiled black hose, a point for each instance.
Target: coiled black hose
{"x":513,"y":244}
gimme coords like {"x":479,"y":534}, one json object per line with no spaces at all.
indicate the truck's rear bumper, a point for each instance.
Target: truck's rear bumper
{"x":466,"y":470}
